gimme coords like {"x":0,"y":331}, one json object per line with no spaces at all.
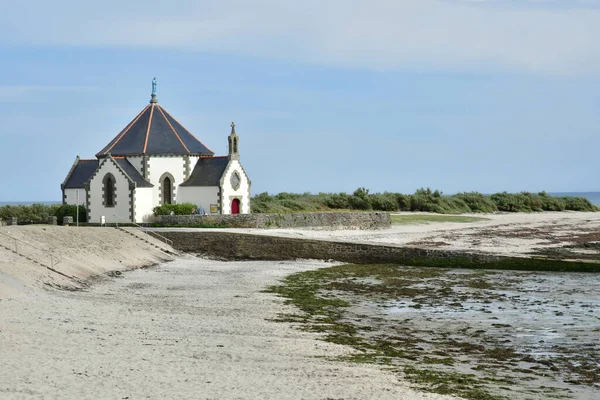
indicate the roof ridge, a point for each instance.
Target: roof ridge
{"x":126,"y":129}
{"x":121,"y":168}
{"x":149,"y":125}
{"x":173,"y":129}
{"x":188,"y":131}
{"x":75,"y":163}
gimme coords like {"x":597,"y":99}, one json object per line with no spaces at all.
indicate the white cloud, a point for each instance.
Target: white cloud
{"x":376,"y":34}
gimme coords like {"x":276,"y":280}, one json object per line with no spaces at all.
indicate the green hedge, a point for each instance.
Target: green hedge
{"x":177,"y":209}
{"x":422,"y":200}
{"x":69,"y":210}
{"x":40,"y":212}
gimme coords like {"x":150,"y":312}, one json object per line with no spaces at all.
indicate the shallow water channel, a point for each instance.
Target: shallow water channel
{"x":519,"y":335}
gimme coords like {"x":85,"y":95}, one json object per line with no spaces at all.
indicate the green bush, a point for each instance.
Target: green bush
{"x":578,"y":204}
{"x":403,"y":202}
{"x":177,"y":209}
{"x":477,"y":202}
{"x":510,"y":202}
{"x":551,"y":203}
{"x":422,"y":200}
{"x":360,"y":199}
{"x":337,"y":200}
{"x":35,"y":212}
{"x":384,"y":202}
{"x":68,"y":210}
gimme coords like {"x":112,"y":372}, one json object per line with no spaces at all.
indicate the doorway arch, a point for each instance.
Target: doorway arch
{"x":235,"y":206}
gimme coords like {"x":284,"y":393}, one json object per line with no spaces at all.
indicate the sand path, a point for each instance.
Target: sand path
{"x":191,"y":328}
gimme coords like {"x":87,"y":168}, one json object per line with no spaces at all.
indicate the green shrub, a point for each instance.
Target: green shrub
{"x":403,"y":202}
{"x":551,"y":203}
{"x":360,"y":199}
{"x":337,"y":200}
{"x":477,"y":202}
{"x":384,"y":202}
{"x":68,"y":210}
{"x":35,"y":212}
{"x":434,"y":201}
{"x":578,"y":204}
{"x":422,"y":200}
{"x":177,"y":209}
{"x":510,"y":202}
{"x":532,"y":201}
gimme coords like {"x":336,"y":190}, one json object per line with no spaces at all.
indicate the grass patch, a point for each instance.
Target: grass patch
{"x":426,"y":218}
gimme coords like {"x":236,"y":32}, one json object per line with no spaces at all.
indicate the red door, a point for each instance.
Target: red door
{"x":235,"y":206}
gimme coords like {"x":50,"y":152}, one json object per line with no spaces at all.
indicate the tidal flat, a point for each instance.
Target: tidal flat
{"x":478,"y":334}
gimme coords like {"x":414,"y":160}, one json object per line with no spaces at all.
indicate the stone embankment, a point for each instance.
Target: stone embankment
{"x":240,"y":246}
{"x":36,"y":256}
{"x":324,"y":220}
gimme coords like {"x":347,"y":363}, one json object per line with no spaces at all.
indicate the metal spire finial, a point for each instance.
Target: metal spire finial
{"x":233,"y":127}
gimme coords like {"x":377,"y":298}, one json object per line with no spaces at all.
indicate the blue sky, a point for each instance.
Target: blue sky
{"x":326,"y":95}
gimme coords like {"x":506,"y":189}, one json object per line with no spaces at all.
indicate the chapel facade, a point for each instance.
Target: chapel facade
{"x":154,"y":160}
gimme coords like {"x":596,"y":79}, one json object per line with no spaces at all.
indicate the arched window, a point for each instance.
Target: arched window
{"x":109,"y":191}
{"x":167,"y":191}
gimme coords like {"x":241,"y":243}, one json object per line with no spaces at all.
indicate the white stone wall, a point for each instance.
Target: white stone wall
{"x":121,"y":208}
{"x":71,"y":196}
{"x":143,"y":204}
{"x":228,"y":193}
{"x":137,"y":162}
{"x":157,"y":166}
{"x":193,"y":162}
{"x":202,"y":196}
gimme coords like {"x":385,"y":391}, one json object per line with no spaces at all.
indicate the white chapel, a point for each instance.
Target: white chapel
{"x":154,"y":160}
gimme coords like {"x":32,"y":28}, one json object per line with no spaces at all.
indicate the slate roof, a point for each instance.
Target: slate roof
{"x":81,"y":173}
{"x":132,"y":173}
{"x":207,"y":172}
{"x":154,"y":131}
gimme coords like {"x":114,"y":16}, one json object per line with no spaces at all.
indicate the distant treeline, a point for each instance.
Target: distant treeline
{"x":37,"y":212}
{"x":421,"y":200}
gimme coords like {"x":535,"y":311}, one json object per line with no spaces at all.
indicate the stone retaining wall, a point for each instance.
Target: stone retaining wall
{"x":329,"y":220}
{"x":236,"y":246}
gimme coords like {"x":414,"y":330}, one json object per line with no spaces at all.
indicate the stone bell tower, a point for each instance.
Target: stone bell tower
{"x":233,"y":144}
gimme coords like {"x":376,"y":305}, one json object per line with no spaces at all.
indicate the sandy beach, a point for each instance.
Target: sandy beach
{"x":198,"y":328}
{"x":191,"y":328}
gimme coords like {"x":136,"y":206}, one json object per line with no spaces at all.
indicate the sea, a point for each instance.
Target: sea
{"x":27,"y":203}
{"x":593,"y":197}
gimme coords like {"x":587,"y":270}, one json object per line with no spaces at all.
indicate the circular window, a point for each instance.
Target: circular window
{"x":235,"y":181}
